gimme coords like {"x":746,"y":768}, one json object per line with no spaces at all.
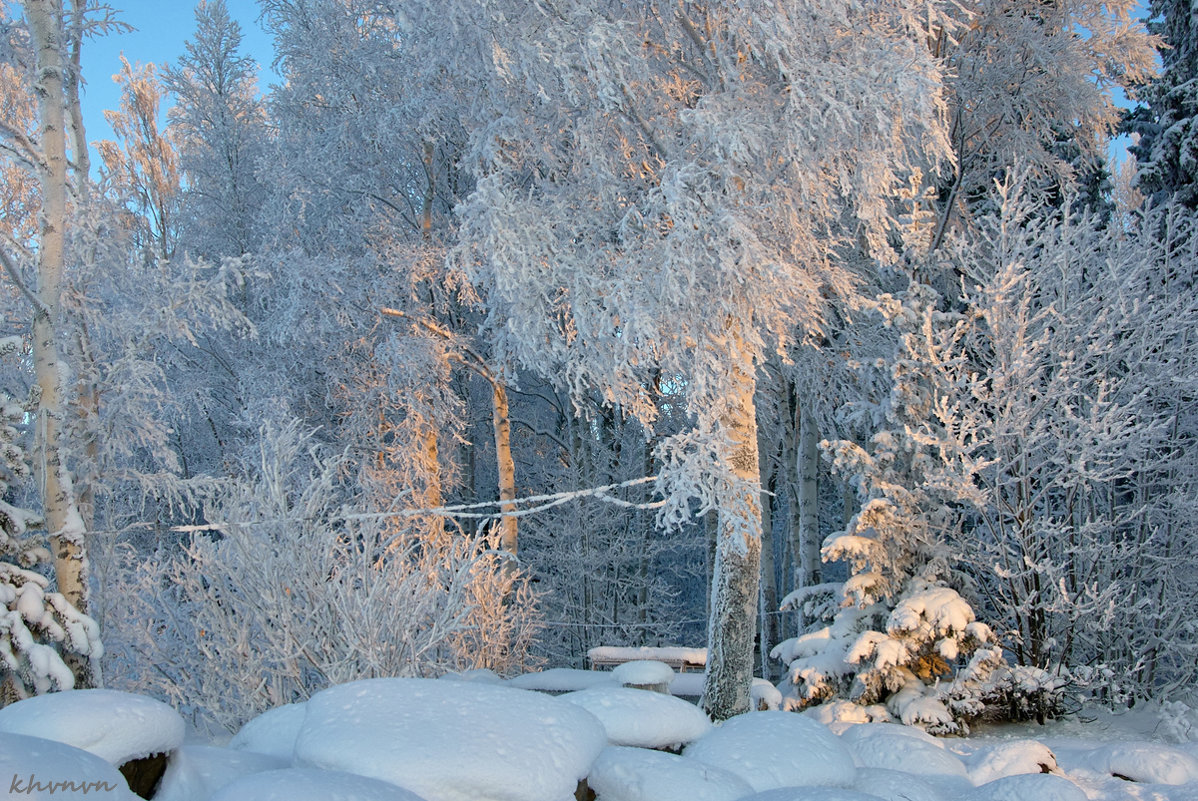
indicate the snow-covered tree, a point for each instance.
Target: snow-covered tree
{"x":1071,"y":415}
{"x":1032,"y":81}
{"x":142,"y":168}
{"x":1036,"y":440}
{"x":46,"y":153}
{"x":219,"y":125}
{"x":670,"y":190}
{"x":1167,"y":148}
{"x":37,"y":624}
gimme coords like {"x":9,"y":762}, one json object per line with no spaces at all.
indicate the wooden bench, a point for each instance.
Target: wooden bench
{"x":682,"y":660}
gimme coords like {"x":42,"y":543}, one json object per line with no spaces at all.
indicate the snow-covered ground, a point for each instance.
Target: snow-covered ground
{"x":477,"y":738}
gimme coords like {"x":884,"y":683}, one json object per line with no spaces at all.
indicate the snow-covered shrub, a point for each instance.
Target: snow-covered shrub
{"x":37,"y":624}
{"x":899,"y":635}
{"x":288,"y":591}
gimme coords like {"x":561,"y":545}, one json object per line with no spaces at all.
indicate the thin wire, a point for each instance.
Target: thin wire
{"x":464,"y":511}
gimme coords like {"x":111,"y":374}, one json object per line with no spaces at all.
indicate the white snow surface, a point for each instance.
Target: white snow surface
{"x":562,"y":680}
{"x":306,"y":784}
{"x":635,"y":774}
{"x":1011,"y":758}
{"x":776,"y":749}
{"x":894,"y":785}
{"x":897,"y":747}
{"x":451,"y":741}
{"x":273,"y":732}
{"x":642,"y":718}
{"x":1151,"y":763}
{"x":1029,"y":787}
{"x":26,"y":760}
{"x":811,"y":794}
{"x":643,"y":671}
{"x":115,"y":726}
{"x":195,"y":772}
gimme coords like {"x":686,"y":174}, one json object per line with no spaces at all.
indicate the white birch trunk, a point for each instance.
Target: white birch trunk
{"x":506,"y":465}
{"x":63,"y":521}
{"x":733,"y":618}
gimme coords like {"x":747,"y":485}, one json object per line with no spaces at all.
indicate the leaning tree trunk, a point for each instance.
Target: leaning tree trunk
{"x":733,"y":618}
{"x":63,"y":520}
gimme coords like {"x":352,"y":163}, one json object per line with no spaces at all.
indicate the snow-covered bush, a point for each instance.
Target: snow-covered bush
{"x":288,"y":591}
{"x":37,"y":624}
{"x":897,"y":633}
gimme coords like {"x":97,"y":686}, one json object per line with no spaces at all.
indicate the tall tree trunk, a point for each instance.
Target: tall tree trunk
{"x":769,"y":581}
{"x":62,"y":512}
{"x":508,"y":541}
{"x":807,"y":554}
{"x":732,"y":623}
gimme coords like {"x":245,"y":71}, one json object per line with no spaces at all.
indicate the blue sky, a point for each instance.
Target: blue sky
{"x":162,"y":26}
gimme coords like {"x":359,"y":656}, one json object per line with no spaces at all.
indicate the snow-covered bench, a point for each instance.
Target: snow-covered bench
{"x":679,"y":658}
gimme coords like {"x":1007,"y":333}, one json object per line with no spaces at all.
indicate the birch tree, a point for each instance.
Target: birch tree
{"x":45,"y":153}
{"x":219,"y":125}
{"x":671,"y":189}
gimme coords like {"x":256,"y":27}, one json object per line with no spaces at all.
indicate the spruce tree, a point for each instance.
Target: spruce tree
{"x":1167,"y":150}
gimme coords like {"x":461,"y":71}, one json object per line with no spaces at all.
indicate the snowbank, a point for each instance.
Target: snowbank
{"x":115,"y":726}
{"x":893,"y":785}
{"x":562,"y":680}
{"x":811,"y":794}
{"x":273,"y":732}
{"x":1028,"y":787}
{"x":1150,"y":763}
{"x":195,"y":772}
{"x":643,"y":673}
{"x":298,"y":784}
{"x":1011,"y":758}
{"x":451,"y":741}
{"x":634,"y":774}
{"x":47,"y":770}
{"x":642,"y":718}
{"x":776,"y":749}
{"x":897,"y":747}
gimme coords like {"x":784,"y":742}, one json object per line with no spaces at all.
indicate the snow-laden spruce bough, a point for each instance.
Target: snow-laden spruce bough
{"x":473,"y":737}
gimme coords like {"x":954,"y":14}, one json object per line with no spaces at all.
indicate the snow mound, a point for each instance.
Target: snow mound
{"x":113,"y":725}
{"x":273,"y":732}
{"x":562,"y":680}
{"x":643,"y":672}
{"x":893,"y":785}
{"x":1011,"y":759}
{"x":634,"y":774}
{"x":642,"y":718}
{"x":839,"y":715}
{"x":451,"y":741}
{"x":1028,"y":787}
{"x":903,"y":748}
{"x":764,"y":695}
{"x":776,"y":749}
{"x":811,"y":794}
{"x":197,"y":771}
{"x":485,"y":675}
{"x":300,"y":784}
{"x":689,"y":685}
{"x":35,"y":769}
{"x":1150,"y":763}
